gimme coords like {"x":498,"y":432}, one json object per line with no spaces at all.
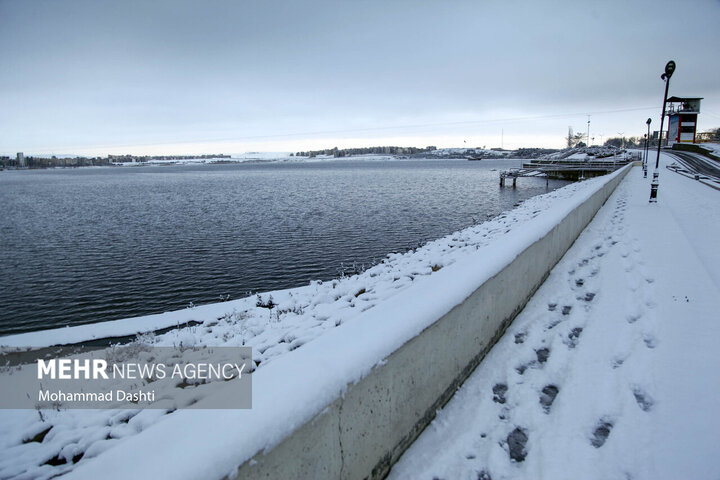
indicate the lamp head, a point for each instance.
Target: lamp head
{"x":669,"y":69}
{"x":649,"y":121}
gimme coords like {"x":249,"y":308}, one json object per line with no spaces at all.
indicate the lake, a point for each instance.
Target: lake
{"x":96,"y":244}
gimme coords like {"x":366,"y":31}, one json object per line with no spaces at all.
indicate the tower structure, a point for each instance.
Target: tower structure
{"x":682,"y":115}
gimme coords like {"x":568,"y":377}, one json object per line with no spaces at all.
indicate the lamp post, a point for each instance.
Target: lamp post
{"x":669,"y":69}
{"x":588,"y":137}
{"x":647,"y":143}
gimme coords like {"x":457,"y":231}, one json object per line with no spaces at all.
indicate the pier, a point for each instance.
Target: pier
{"x":567,"y":169}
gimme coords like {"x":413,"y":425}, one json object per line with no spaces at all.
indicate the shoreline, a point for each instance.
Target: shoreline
{"x":126,"y":329}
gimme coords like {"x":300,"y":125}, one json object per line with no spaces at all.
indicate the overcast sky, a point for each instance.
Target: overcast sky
{"x":102,"y":76}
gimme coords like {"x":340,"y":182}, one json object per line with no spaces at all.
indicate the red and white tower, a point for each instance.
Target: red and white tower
{"x":682,"y":113}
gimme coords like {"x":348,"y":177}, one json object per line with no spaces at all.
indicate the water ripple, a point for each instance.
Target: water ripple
{"x":90,"y":245}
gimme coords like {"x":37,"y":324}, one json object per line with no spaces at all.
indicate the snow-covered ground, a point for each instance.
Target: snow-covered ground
{"x":317,"y":314}
{"x":265,"y":157}
{"x":594,"y":153}
{"x":235,"y":158}
{"x":713,"y":148}
{"x":610,"y":371}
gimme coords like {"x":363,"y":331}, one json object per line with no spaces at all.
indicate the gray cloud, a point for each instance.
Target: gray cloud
{"x":99,"y":72}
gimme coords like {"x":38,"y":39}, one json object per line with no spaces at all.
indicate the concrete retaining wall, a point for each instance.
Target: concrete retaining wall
{"x":363,"y":433}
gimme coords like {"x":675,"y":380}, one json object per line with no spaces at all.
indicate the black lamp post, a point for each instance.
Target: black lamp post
{"x":669,"y":69}
{"x":647,"y":143}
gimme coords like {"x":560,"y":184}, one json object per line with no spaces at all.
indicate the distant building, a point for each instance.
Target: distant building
{"x":20,"y":159}
{"x":682,"y":125}
{"x":710,"y":136}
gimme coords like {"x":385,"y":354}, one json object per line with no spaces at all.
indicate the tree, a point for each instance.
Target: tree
{"x":633,"y":142}
{"x":614,"y":142}
{"x":575,"y":139}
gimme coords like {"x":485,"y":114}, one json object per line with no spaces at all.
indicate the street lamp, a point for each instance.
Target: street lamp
{"x":588,"y":137}
{"x":669,"y":69}
{"x":647,"y":143}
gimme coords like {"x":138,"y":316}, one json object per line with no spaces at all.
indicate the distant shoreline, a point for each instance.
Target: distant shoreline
{"x":395,"y":153}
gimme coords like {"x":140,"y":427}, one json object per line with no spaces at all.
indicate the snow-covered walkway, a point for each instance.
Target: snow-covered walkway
{"x":610,"y":372}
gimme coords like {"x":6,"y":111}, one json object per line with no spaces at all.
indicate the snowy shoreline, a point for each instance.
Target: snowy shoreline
{"x":118,"y":330}
{"x":122,"y":328}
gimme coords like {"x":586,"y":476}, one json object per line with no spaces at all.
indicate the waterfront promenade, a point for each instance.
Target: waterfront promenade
{"x":610,"y":371}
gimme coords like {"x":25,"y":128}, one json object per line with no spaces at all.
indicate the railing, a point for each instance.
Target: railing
{"x":673,"y":110}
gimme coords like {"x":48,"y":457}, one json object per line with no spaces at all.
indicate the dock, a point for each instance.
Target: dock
{"x":568,"y":169}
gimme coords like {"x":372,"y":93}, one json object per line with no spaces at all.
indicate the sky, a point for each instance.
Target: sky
{"x":100,"y":77}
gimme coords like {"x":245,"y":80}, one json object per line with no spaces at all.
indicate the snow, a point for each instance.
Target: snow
{"x":713,"y":148}
{"x":610,"y":370}
{"x":237,"y":158}
{"x":485,"y":153}
{"x":315,"y":340}
{"x":594,"y":153}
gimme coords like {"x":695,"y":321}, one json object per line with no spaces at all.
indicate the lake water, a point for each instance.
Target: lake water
{"x":95,"y":244}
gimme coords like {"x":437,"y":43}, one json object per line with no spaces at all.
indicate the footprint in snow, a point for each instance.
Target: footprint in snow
{"x":553,"y":324}
{"x":542,"y":354}
{"x":499,"y":391}
{"x":547,"y":397}
{"x":601,"y":433}
{"x":650,"y":341}
{"x":573,"y":337}
{"x":643,"y":399}
{"x":484,"y":475}
{"x":521,"y":369}
{"x":516,"y":442}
